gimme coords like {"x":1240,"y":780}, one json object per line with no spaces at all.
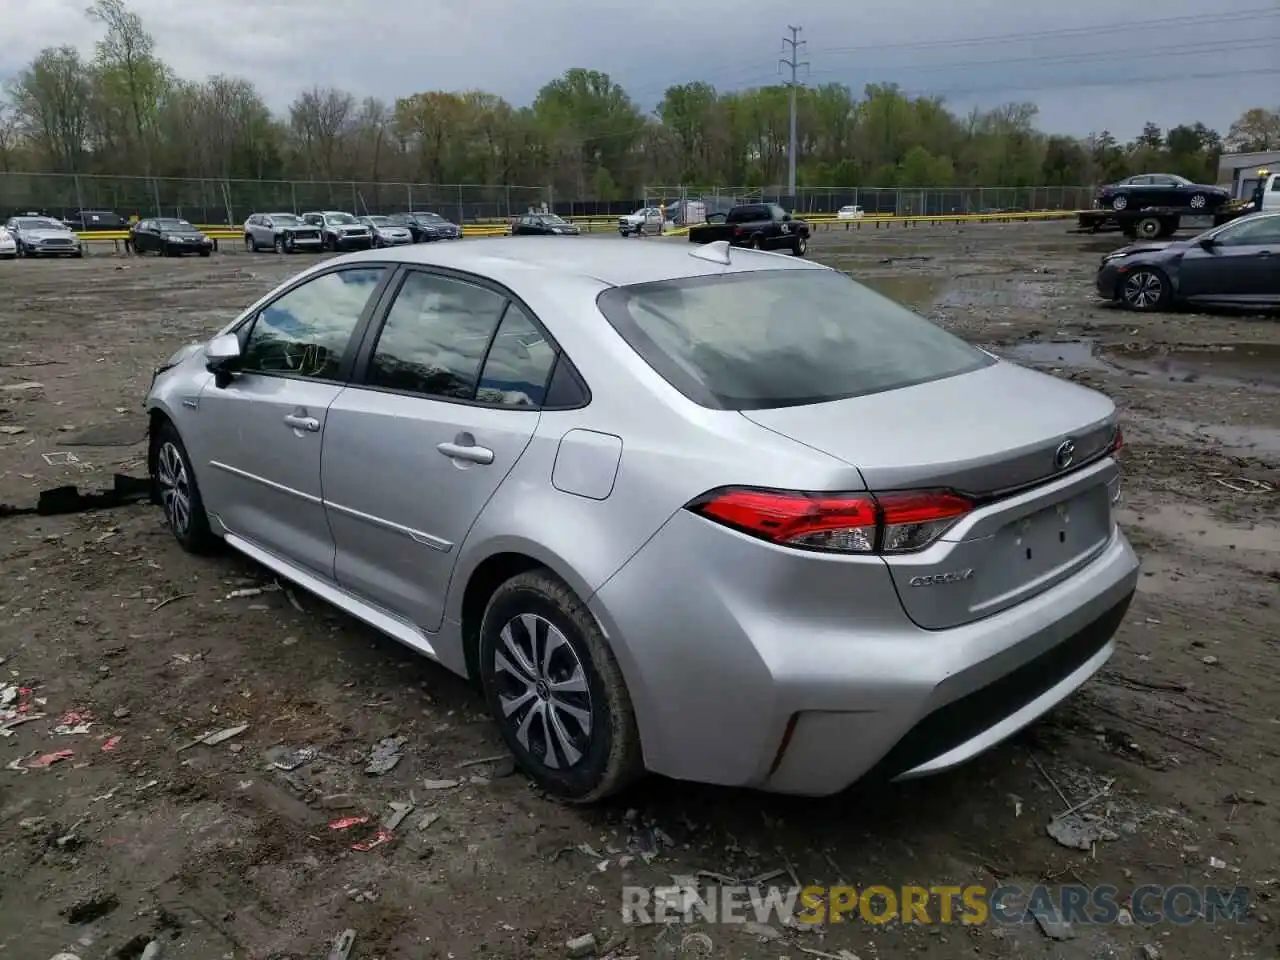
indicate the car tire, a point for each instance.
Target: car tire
{"x":206,"y":253}
{"x":1198,"y":201}
{"x":175,"y":488}
{"x":583,"y":744}
{"x":78,"y":255}
{"x":1145,"y":290}
{"x":279,"y":244}
{"x":800,"y":247}
{"x":8,"y":256}
{"x":1120,"y":202}
{"x":1148,"y":228}
{"x":250,"y":244}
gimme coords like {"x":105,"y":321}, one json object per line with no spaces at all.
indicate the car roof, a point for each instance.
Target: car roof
{"x":513,"y":260}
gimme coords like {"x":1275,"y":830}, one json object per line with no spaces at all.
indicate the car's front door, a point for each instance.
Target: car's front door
{"x":444,"y":405}
{"x":260,"y":436}
{"x":1242,"y":264}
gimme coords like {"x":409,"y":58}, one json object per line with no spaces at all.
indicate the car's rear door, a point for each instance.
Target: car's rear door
{"x":258,"y":439}
{"x":445,"y":399}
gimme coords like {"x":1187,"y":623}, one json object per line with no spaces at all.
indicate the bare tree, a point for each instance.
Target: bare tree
{"x":52,"y":102}
{"x":321,"y":120}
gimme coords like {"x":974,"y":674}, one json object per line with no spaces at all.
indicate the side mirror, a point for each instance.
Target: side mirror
{"x":1208,"y":243}
{"x":221,"y":356}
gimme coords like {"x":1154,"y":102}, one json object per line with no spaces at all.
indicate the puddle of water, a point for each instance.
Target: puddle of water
{"x":1256,"y":364}
{"x":1057,"y":353}
{"x":1246,"y":364}
{"x":914,"y":291}
{"x":1198,"y":525}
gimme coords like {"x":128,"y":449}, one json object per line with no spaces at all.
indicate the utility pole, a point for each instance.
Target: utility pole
{"x":794,"y":63}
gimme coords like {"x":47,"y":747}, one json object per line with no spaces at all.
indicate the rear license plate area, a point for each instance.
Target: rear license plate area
{"x":1058,"y":533}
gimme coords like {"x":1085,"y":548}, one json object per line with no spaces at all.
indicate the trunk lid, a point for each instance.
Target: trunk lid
{"x":995,"y":435}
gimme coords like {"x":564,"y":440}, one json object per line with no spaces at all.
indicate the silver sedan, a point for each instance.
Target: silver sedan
{"x":386,"y":232}
{"x":44,"y":237}
{"x":724,"y":515}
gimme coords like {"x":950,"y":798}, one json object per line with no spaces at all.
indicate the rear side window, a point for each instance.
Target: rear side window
{"x":779,"y":338}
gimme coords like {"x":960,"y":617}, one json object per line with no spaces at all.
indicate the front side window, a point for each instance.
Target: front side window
{"x":306,"y":331}
{"x":1250,"y":231}
{"x":779,"y":338}
{"x":435,"y":337}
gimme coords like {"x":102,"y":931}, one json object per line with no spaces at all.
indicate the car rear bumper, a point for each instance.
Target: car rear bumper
{"x":806,"y":677}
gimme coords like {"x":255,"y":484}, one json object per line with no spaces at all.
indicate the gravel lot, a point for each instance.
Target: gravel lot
{"x":217,"y":853}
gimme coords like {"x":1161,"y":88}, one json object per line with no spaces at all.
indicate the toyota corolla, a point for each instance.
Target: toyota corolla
{"x":723,"y":515}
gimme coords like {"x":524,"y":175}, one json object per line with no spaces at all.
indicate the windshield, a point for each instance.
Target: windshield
{"x":340,"y":218}
{"x":779,"y":338}
{"x":39,"y":223}
{"x":378,"y":221}
{"x":172,"y":224}
{"x":431,"y":217}
{"x":285,"y":219}
{"x":551,"y":218}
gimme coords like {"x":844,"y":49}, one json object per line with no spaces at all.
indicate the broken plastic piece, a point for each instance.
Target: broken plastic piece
{"x":379,"y":838}
{"x":346,"y":823}
{"x":49,"y":759}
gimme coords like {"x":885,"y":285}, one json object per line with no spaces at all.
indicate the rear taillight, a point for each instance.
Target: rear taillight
{"x":1117,"y":442}
{"x":738,"y":231}
{"x":838,"y":523}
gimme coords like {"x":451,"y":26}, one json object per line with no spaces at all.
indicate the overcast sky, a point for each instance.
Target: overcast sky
{"x":1089,"y":64}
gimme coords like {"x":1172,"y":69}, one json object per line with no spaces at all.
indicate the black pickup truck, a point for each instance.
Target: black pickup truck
{"x":761,"y":226}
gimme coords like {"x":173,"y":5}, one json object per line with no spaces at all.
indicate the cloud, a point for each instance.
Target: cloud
{"x":1190,"y":65}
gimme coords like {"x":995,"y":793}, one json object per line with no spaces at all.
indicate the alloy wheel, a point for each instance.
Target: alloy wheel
{"x":1143,"y":290}
{"x":1198,"y":201}
{"x":175,"y":487}
{"x":1120,"y":202}
{"x":542,"y":691}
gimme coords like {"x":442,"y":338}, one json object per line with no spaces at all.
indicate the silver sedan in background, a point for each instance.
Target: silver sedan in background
{"x":386,"y":232}
{"x":724,"y":515}
{"x":44,"y":237}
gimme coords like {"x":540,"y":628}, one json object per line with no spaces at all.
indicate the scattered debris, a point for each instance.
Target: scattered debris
{"x":342,"y":945}
{"x":386,"y":753}
{"x":152,"y":951}
{"x":440,"y":784}
{"x":346,"y":823}
{"x":427,"y":820}
{"x":1072,"y":832}
{"x":216,"y":737}
{"x":12,"y":431}
{"x":1209,"y":661}
{"x":1053,"y":926}
{"x":396,"y":817}
{"x":60,"y":458}
{"x":174,"y":599}
{"x":583,"y":946}
{"x":761,"y":931}
{"x":484,"y":760}
{"x":288,"y":759}
{"x":1150,"y":951}
{"x":111,"y":743}
{"x":49,"y":759}
{"x":1250,"y":486}
{"x":379,"y":838}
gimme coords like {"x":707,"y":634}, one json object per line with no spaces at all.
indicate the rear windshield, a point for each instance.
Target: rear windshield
{"x":781,"y":338}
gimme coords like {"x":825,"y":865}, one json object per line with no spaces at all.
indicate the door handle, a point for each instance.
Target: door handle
{"x":1264,"y":253}
{"x":469,"y":452}
{"x":298,"y":422}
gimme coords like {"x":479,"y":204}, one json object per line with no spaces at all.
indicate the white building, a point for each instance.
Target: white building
{"x":1238,"y":172}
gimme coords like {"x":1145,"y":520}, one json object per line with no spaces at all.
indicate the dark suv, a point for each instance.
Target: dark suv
{"x":83,"y":220}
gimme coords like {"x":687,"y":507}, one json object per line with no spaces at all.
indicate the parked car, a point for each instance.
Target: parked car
{"x":763,"y":226}
{"x":281,"y":232}
{"x":340,"y":231}
{"x":43,"y":237}
{"x":90,"y":220}
{"x":169,"y":237}
{"x":645,"y":220}
{"x":426,"y":226}
{"x":853,"y":212}
{"x":1160,"y":190}
{"x":544,"y":224}
{"x":1237,"y":263}
{"x":386,"y":232}
{"x":663,"y":529}
{"x":8,"y":245}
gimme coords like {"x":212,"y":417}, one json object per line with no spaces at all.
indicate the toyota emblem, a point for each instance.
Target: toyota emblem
{"x":1065,"y":453}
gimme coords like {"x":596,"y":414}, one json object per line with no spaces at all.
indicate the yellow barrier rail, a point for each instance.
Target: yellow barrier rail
{"x":825,"y":222}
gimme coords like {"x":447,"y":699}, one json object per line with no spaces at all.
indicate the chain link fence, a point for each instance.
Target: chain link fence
{"x":213,"y":201}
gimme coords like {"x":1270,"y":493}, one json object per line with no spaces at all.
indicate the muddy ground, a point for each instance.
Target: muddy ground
{"x":214,"y":852}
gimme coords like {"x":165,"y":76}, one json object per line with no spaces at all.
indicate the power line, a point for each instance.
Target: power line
{"x":1197,"y":22}
{"x":795,"y":63}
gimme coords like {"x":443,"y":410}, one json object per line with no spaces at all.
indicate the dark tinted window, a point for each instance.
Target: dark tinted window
{"x":1275,"y":185}
{"x":435,"y":337}
{"x":781,"y":338}
{"x":519,"y":363}
{"x":305,"y":332}
{"x":747,"y":214}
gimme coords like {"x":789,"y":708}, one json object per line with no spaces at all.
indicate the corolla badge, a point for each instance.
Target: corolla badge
{"x":1065,"y":454}
{"x":933,"y":580}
